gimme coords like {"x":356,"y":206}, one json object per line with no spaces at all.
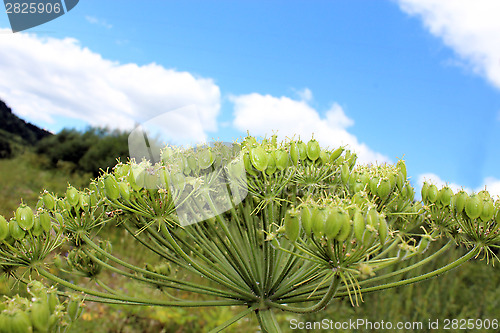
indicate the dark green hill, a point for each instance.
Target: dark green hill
{"x":16,"y":132}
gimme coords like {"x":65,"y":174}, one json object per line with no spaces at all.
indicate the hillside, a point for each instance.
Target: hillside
{"x":16,"y":132}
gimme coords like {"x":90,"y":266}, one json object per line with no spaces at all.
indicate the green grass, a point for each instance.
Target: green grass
{"x":24,"y":177}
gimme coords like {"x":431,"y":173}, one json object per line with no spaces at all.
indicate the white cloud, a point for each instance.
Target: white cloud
{"x":470,"y":28}
{"x":492,"y":184}
{"x":263,"y":114}
{"x":44,"y":78}
{"x":305,"y":94}
{"x":96,"y":21}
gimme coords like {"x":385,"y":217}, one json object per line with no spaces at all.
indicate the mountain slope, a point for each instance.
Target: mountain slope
{"x":15,"y":132}
{"x":11,"y":123}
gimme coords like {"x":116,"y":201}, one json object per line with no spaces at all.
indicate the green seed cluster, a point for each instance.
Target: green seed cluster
{"x":25,"y":223}
{"x":42,"y":312}
{"x":79,"y":260}
{"x":269,"y":157}
{"x":350,"y":227}
{"x":473,"y":216}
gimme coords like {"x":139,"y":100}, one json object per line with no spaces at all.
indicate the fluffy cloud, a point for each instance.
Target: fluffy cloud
{"x":492,"y":184}
{"x":263,"y":114}
{"x":46,"y":78}
{"x":470,"y":28}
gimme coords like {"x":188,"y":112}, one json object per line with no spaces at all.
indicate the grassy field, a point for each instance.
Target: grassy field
{"x":24,"y":177}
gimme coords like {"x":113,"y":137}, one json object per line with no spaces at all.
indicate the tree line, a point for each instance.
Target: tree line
{"x":88,"y":151}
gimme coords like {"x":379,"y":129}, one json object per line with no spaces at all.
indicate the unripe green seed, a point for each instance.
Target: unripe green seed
{"x":25,"y":217}
{"x":383,"y":230}
{"x":121,"y":170}
{"x":335,"y":154}
{"x":333,"y":223}
{"x":306,"y":219}
{"x":53,"y":301}
{"x":372,"y":218}
{"x":432,"y":193}
{"x":124,"y":190}
{"x":360,"y":199}
{"x":368,"y":237}
{"x":358,"y":225}
{"x":313,"y":150}
{"x":248,"y":164}
{"x":409,"y":192}
{"x":346,"y":228}
{"x":281,"y":159}
{"x":392,"y":179}
{"x":302,"y":147}
{"x":324,"y":156}
{"x":488,"y":210}
{"x":364,"y":177}
{"x":73,"y":196}
{"x":357,"y":186}
{"x":15,"y":230}
{"x":402,"y":167}
{"x":485,"y":195}
{"x":45,"y":221}
{"x":445,"y":195}
{"x":183,"y":163}
{"x":39,"y":313}
{"x":178,"y":181}
{"x":236,"y":169}
{"x":205,"y":158}
{"x":151,"y":180}
{"x":19,"y":322}
{"x":460,"y":199}
{"x":319,"y":216}
{"x":111,"y":187}
{"x":192,"y":163}
{"x":344,"y":173}
{"x":384,"y":188}
{"x":373,"y":184}
{"x":4,"y":228}
{"x":400,"y":180}
{"x":259,"y":158}
{"x":425,"y":190}
{"x":75,"y":308}
{"x":424,"y":243}
{"x":352,"y":160}
{"x":292,"y":226}
{"x":271,"y":163}
{"x":473,"y":206}
{"x":294,"y":153}
{"x":48,"y":201}
{"x":37,"y":229}
{"x":136,"y":177}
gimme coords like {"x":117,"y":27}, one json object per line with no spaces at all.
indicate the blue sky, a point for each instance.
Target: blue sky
{"x":389,"y":78}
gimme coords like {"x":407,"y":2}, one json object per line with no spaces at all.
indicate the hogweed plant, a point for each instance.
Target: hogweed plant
{"x":263,"y":225}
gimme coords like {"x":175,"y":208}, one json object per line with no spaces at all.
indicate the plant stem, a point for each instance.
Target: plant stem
{"x":267,"y":321}
{"x":334,"y":284}
{"x":135,"y":300}
{"x":474,"y":251}
{"x":234,"y":319}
